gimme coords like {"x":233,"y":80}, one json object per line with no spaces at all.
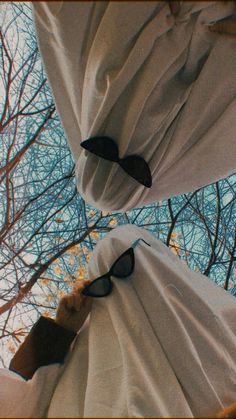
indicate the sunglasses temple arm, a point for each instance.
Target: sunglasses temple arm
{"x":146,"y":242}
{"x":137,"y":241}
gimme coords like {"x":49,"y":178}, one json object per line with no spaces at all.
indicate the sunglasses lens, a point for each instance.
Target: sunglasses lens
{"x":136,"y":167}
{"x":99,"y":288}
{"x":103,"y":147}
{"x":124,"y":266}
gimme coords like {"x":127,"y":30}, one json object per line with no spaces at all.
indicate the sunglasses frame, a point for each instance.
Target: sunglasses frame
{"x":110,"y":273}
{"x":92,"y":143}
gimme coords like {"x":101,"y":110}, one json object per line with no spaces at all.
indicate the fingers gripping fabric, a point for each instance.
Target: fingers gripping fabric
{"x":160,"y":83}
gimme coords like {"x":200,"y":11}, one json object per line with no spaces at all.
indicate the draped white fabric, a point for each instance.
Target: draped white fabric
{"x":162,"y":344}
{"x":27,"y":399}
{"x":162,"y":87}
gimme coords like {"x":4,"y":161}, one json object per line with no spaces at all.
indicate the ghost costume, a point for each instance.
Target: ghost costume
{"x":163,"y":87}
{"x":162,"y":344}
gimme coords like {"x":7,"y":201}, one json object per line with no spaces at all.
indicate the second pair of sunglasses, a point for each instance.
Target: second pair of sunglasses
{"x":121,"y":268}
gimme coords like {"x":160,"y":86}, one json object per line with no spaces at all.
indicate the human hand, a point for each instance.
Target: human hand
{"x":225,"y":27}
{"x":174,"y":7}
{"x":228,"y":412}
{"x":74,"y":308}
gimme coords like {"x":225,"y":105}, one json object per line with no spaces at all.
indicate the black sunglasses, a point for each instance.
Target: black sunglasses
{"x":121,"y":268}
{"x":134,"y":165}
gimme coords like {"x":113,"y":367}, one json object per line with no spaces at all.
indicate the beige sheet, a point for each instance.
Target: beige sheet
{"x":161,"y":86}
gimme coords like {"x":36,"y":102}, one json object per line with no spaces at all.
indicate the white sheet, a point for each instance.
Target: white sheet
{"x":162,"y":87}
{"x":162,"y":344}
{"x":27,"y":399}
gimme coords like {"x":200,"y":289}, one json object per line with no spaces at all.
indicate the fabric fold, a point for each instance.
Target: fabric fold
{"x":162,"y":86}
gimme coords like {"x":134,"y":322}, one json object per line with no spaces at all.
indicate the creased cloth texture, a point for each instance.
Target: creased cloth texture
{"x":162,"y":344}
{"x":27,"y":399}
{"x":161,"y":86}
